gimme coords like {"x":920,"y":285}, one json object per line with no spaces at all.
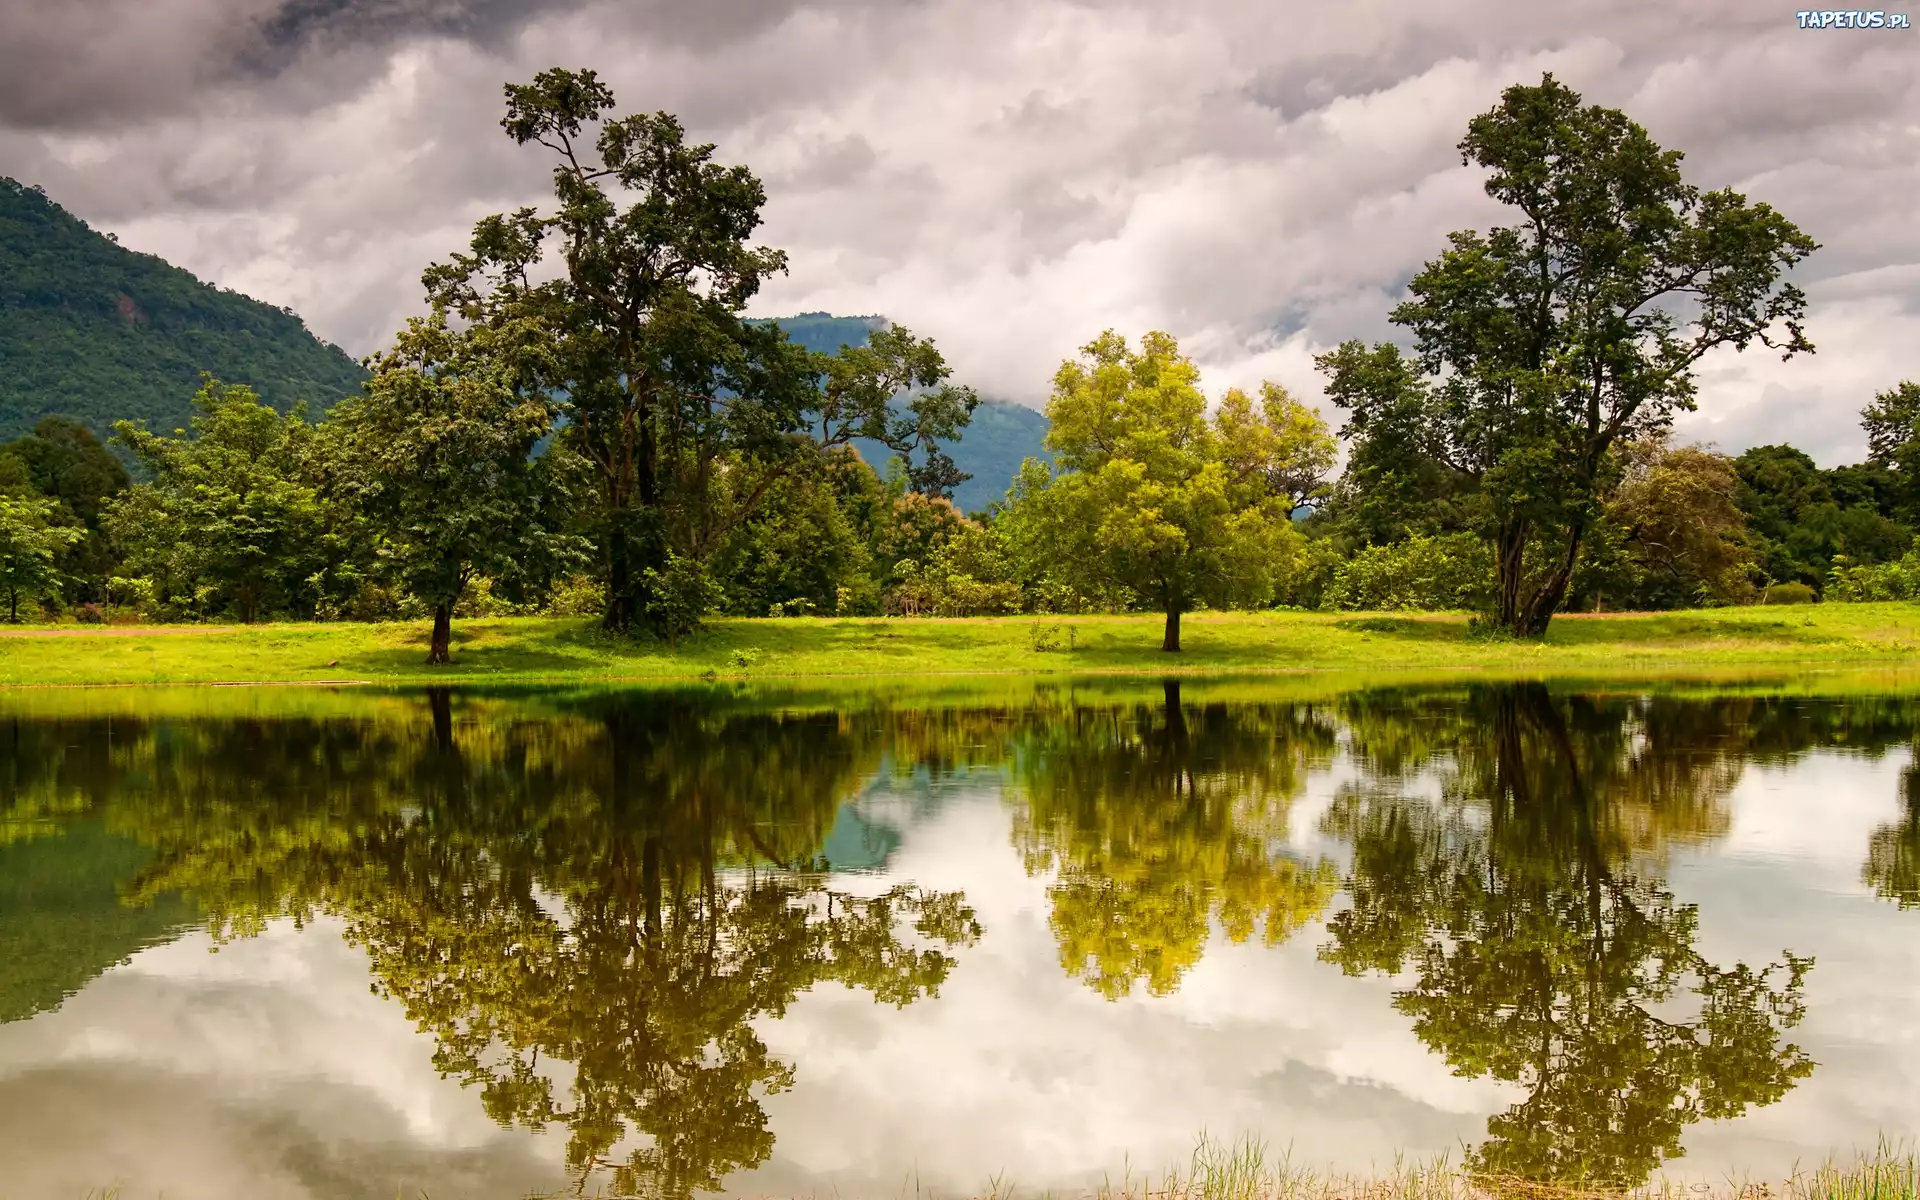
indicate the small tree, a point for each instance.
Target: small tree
{"x":30,"y":543}
{"x":438,"y":453}
{"x":1545,"y":342}
{"x":1150,"y":495}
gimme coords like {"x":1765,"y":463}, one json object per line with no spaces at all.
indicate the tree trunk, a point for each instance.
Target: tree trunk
{"x":1510,"y":547}
{"x":1546,"y":600}
{"x":440,"y":650}
{"x":1171,"y":642}
{"x":440,"y":704}
{"x":13,"y":606}
{"x":618,"y":615}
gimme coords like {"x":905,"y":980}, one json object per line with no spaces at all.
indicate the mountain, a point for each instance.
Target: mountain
{"x":1000,"y":437}
{"x":95,"y":332}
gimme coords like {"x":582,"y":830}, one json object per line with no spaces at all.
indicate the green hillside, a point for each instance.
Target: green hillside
{"x":95,"y":332}
{"x":1001,"y":437}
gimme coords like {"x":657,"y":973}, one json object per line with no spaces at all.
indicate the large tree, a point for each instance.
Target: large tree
{"x":664,"y":384}
{"x":1150,"y":496}
{"x":1543,"y":343}
{"x":438,"y":454}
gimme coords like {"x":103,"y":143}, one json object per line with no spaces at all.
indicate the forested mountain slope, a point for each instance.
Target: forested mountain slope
{"x":96,"y":332}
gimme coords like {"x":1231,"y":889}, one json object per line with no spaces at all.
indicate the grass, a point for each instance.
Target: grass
{"x":549,"y":650}
{"x":1243,"y":1170}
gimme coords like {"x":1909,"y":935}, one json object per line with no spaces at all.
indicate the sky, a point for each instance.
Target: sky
{"x":1009,"y":177}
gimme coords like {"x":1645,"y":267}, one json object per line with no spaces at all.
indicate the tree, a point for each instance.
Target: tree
{"x":661,"y":378}
{"x":1544,"y":343}
{"x":232,"y":518}
{"x":1892,"y":423}
{"x":1672,"y":534}
{"x":438,"y":453}
{"x":1803,"y":518}
{"x":1282,"y":442}
{"x":64,"y":461}
{"x":30,"y":545}
{"x":1149,"y":495}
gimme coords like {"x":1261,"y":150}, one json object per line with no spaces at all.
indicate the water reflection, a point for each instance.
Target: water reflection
{"x":589,"y":903}
{"x":1159,"y":821}
{"x":620,"y":892}
{"x":1542,"y":948}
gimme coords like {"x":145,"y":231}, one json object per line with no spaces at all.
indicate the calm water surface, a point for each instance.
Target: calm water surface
{"x":335,"y":945}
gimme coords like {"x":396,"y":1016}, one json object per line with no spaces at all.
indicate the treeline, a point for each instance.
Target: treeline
{"x":586,"y":423}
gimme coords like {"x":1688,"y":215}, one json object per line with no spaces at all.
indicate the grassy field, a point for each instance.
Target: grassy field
{"x":548,"y":650}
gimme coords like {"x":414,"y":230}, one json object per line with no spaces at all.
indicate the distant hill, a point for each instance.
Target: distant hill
{"x":1001,"y":437}
{"x":96,"y":332}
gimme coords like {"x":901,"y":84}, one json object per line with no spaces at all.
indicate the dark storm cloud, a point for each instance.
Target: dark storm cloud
{"x":1009,"y":176}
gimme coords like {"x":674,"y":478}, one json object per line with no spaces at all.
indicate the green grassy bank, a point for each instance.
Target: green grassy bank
{"x":535,"y":649}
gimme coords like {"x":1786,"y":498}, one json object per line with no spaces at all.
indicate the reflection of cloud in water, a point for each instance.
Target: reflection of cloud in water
{"x":265,"y":1070}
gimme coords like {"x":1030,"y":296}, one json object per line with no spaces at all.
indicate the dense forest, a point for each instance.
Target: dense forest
{"x":93,"y":332}
{"x":619,"y":439}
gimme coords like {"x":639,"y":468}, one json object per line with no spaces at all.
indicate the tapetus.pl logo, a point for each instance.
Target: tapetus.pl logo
{"x":1852,"y":18}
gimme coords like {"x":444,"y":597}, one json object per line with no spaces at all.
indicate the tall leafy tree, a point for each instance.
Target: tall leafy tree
{"x":1150,"y":495}
{"x":438,"y":454}
{"x":1545,"y":342}
{"x":660,"y":376}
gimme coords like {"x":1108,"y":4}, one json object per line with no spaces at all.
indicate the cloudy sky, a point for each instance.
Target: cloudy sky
{"x":1008,"y":176}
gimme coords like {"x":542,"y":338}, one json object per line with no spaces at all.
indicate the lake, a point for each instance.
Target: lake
{"x":266,"y":943}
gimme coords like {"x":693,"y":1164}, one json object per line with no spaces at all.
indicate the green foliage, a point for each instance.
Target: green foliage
{"x":1788,"y":593}
{"x":234,"y":519}
{"x":1151,"y":497}
{"x":438,"y":457}
{"x":1850,"y":583}
{"x":1671,"y":533}
{"x":1543,"y":343}
{"x":1422,"y":573}
{"x":31,"y":542}
{"x":99,"y":334}
{"x":1803,"y":518}
{"x":662,"y":377}
{"x":1892,"y":423}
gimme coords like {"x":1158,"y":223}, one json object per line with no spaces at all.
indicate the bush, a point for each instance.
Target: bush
{"x":1875,"y":581}
{"x":577,"y":596}
{"x":1450,"y":572}
{"x":1787,"y":593}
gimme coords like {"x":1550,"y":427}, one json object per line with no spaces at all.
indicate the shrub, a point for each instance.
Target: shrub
{"x":577,"y":596}
{"x":1787,"y":593}
{"x":1450,"y":572}
{"x":1875,"y":581}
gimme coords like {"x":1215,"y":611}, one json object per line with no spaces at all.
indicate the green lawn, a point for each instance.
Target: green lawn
{"x":535,"y":649}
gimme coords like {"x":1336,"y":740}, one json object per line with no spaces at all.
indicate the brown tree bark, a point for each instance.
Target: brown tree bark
{"x":1171,"y":642}
{"x":440,"y":649}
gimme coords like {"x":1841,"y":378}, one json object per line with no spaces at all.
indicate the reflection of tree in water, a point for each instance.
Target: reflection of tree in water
{"x":1160,"y":820}
{"x":1893,"y":855}
{"x":588,"y":913}
{"x":1539,"y":955}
